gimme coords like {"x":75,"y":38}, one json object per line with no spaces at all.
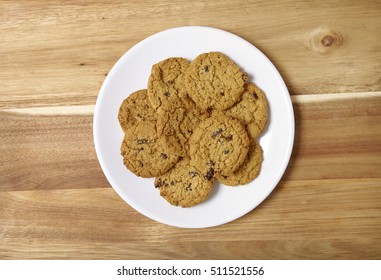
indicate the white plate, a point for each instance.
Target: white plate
{"x":131,"y":73}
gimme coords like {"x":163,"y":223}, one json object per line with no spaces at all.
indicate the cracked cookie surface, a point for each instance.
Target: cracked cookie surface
{"x":214,"y":81}
{"x":142,"y":152}
{"x":176,"y":123}
{"x":136,"y":107}
{"x":251,"y":110}
{"x":219,"y":145}
{"x":184,"y":185}
{"x":249,"y":169}
{"x":166,"y":81}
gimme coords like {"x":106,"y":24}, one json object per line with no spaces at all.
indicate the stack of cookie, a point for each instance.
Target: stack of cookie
{"x":196,"y":122}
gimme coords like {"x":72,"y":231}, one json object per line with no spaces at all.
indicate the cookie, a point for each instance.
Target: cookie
{"x":219,"y":145}
{"x":183,"y":185}
{"x":166,"y":81}
{"x":214,"y":81}
{"x":136,"y":107}
{"x":142,"y":152}
{"x":176,"y":123}
{"x":249,"y":169}
{"x":251,"y":110}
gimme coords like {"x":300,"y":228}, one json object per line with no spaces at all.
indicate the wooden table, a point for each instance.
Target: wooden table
{"x":54,"y":199}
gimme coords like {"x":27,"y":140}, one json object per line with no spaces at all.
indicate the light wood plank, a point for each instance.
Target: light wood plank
{"x":307,"y":249}
{"x":58,"y":53}
{"x":303,"y":219}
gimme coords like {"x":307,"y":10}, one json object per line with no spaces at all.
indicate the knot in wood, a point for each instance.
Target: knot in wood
{"x":327,"y":41}
{"x":324,"y":40}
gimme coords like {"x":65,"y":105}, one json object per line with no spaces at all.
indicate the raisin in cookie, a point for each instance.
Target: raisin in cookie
{"x":136,"y":107}
{"x":251,"y":110}
{"x":219,"y":145}
{"x":183,"y":185}
{"x":176,"y":123}
{"x":248,"y":171}
{"x":214,"y":81}
{"x":166,"y":82}
{"x":143,"y":153}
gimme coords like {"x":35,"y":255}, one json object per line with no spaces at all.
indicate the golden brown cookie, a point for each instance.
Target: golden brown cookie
{"x":142,"y":152}
{"x":219,"y":145}
{"x":176,"y":123}
{"x":248,"y":171}
{"x":251,"y":110}
{"x":166,"y":82}
{"x":136,"y":107}
{"x":183,"y":185}
{"x":214,"y":81}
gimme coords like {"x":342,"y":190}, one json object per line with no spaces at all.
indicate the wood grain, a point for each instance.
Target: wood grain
{"x":331,"y":133}
{"x":321,"y":208}
{"x":71,"y":45}
{"x":300,"y":206}
{"x":37,"y":154}
{"x":40,"y":152}
{"x":304,"y":219}
{"x":55,"y":202}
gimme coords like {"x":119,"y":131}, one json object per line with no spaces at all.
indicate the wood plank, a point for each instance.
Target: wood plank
{"x":38,"y":154}
{"x":333,"y":131}
{"x":47,"y":152}
{"x":307,"y":249}
{"x":338,"y":208}
{"x":72,"y":45}
{"x":301,"y":219}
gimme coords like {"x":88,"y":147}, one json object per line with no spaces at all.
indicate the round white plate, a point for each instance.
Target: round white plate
{"x":131,"y":73}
